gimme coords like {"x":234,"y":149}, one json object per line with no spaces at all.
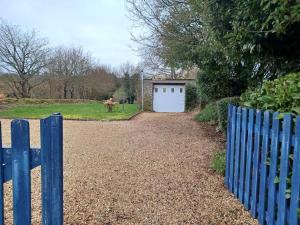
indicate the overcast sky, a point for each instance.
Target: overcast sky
{"x":98,"y":26}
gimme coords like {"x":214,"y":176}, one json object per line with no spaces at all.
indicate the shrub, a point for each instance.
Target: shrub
{"x":282,"y":94}
{"x":147,"y":103}
{"x":191,"y":98}
{"x":222,"y":106}
{"x":208,"y":114}
{"x":219,"y":162}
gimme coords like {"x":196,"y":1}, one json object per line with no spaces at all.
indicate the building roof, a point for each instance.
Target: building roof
{"x":170,"y":81}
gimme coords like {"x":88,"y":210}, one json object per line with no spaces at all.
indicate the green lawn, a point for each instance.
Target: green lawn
{"x":93,"y":111}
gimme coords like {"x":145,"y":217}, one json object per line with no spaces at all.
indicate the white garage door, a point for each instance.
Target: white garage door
{"x":168,"y":98}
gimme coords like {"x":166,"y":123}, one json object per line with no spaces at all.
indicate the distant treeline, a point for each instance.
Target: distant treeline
{"x":30,"y":68}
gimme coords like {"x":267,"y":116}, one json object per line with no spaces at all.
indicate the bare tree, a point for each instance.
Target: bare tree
{"x":22,"y":54}
{"x":129,"y":69}
{"x":166,"y":25}
{"x":68,"y":65}
{"x":100,"y":84}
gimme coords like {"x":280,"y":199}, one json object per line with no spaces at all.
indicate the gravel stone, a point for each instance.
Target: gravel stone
{"x":154,"y":169}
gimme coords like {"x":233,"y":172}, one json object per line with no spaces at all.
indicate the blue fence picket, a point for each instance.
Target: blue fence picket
{"x":228,"y":150}
{"x":249,"y":157}
{"x":243,"y":154}
{"x":232,"y":145}
{"x":256,"y":162}
{"x":21,"y":172}
{"x":284,"y":164}
{"x":237,"y":150}
{"x":273,"y":169}
{"x":263,"y":168}
{"x":52,"y":170}
{"x":294,"y":205}
{"x":1,"y":181}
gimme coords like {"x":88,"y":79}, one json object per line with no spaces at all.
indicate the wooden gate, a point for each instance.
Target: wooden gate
{"x":17,"y":163}
{"x":263,"y":163}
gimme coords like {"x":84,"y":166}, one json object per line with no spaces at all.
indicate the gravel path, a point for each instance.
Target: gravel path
{"x":153,"y":169}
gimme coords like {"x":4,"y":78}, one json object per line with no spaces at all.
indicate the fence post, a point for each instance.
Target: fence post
{"x":273,"y":169}
{"x":256,"y":163}
{"x":232,"y":144}
{"x":237,"y":150}
{"x":249,"y":158}
{"x":295,"y":177}
{"x":52,"y":170}
{"x":228,"y":150}
{"x":263,"y":169}
{"x":243,"y":154}
{"x":21,"y":172}
{"x":284,"y":168}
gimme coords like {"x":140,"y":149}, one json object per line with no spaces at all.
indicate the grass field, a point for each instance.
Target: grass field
{"x":85,"y":111}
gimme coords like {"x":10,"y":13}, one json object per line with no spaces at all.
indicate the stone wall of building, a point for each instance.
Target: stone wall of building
{"x":148,"y":86}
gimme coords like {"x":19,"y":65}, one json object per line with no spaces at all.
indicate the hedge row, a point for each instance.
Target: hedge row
{"x":222,"y":109}
{"x":191,"y":97}
{"x":33,"y":101}
{"x":208,"y":114}
{"x":216,"y":112}
{"x":282,"y":94}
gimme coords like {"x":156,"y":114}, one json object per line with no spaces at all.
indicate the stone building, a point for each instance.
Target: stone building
{"x":165,"y":95}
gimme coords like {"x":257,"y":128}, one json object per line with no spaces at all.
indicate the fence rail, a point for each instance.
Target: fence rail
{"x":17,"y":162}
{"x":263,"y":164}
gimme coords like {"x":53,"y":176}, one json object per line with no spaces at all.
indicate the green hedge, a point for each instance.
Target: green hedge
{"x":147,"y":103}
{"x":191,"y":97}
{"x":222,"y":108}
{"x":208,"y":114}
{"x":33,"y":101}
{"x":282,"y":94}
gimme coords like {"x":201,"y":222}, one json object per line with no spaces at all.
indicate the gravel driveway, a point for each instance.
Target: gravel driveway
{"x":153,"y":169}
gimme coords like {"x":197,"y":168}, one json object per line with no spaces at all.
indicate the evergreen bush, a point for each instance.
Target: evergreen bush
{"x":191,"y":97}
{"x":222,"y":107}
{"x":281,"y":94}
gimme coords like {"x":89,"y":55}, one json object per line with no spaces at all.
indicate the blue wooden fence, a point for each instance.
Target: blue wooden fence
{"x":17,"y":162}
{"x":263,"y":164}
